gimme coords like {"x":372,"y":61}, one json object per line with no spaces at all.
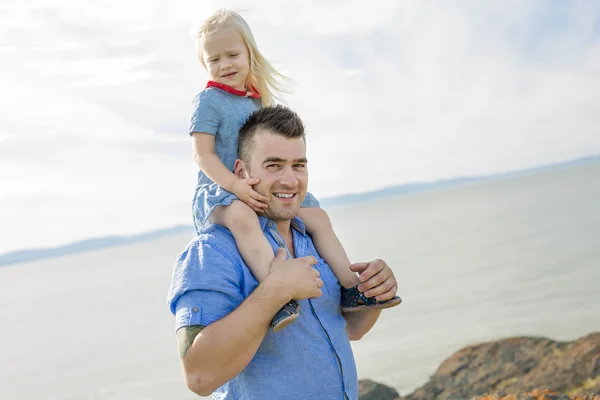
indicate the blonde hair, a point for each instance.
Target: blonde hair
{"x":263,"y":77}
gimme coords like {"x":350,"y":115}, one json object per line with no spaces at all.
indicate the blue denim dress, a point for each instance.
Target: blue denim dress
{"x":222,"y":114}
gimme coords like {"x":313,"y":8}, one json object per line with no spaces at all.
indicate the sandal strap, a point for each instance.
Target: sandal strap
{"x":286,"y":311}
{"x":352,"y":296}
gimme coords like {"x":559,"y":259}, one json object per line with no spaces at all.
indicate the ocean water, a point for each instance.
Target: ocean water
{"x":506,"y":257}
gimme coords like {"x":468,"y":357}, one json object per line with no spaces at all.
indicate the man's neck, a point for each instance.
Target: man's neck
{"x":284,"y":228}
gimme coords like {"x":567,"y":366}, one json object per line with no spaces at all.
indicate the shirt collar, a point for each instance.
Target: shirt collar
{"x":296,"y":223}
{"x":226,"y":88}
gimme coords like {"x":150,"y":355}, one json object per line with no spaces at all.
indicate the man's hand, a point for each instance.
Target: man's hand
{"x":377,"y":279}
{"x":296,"y":277}
{"x":244,"y":191}
{"x":215,"y":354}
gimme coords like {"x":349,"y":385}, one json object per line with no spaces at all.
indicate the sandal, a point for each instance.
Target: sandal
{"x":353,"y":300}
{"x":285,"y":316}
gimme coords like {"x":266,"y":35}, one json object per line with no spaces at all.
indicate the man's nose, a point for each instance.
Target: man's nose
{"x":288,"y":177}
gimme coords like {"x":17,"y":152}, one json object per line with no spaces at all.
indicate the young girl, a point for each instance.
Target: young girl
{"x":240,"y":81}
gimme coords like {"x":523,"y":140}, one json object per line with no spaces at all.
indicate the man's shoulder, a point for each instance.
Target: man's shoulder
{"x":208,"y":260}
{"x":217,"y":238}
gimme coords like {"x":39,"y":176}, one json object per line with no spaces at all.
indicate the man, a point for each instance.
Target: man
{"x":223,"y":314}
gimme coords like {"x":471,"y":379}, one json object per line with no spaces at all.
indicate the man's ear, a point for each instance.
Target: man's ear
{"x":239,"y":169}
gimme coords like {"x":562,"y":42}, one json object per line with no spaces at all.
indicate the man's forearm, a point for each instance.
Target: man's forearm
{"x":359,"y":323}
{"x":224,"y":348}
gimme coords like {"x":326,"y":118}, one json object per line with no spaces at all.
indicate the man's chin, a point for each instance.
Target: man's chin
{"x":277,"y":214}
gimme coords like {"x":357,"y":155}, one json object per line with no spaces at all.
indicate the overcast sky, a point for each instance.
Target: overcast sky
{"x":95,"y":100}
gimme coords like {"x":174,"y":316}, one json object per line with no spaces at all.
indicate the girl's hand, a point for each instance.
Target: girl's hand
{"x":242,"y":188}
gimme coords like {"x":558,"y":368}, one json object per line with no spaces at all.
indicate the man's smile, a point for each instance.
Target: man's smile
{"x":285,"y":196}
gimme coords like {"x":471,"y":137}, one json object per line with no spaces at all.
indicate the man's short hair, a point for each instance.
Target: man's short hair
{"x":278,"y":119}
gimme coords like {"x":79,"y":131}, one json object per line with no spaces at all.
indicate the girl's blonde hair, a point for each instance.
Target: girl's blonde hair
{"x":263,"y":77}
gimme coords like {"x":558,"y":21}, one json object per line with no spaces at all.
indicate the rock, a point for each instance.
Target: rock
{"x":517,"y":365}
{"x":520,"y":368}
{"x":537,"y":395}
{"x":369,"y":390}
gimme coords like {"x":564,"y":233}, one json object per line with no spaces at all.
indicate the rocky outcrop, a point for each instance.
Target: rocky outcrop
{"x":518,"y":367}
{"x":537,"y":395}
{"x":370,"y":390}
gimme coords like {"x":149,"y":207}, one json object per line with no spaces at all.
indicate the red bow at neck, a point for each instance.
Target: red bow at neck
{"x":234,"y":91}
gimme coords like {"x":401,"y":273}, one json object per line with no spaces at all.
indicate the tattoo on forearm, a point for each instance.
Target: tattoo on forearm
{"x":186,"y":336}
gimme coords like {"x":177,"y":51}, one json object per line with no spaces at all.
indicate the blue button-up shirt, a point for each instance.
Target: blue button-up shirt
{"x":309,"y":359}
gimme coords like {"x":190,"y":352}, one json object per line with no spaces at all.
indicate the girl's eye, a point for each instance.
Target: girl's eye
{"x":214,"y":60}
{"x":234,"y":55}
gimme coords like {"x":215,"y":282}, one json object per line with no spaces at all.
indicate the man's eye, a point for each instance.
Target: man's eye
{"x":299,"y":166}
{"x":271,"y":166}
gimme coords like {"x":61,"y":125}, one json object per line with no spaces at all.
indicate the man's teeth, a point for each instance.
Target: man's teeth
{"x":284,"y":195}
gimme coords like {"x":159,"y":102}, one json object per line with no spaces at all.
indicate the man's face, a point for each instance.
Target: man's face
{"x":280,"y":163}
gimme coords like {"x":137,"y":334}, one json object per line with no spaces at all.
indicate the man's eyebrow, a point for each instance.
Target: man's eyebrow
{"x":273,"y":159}
{"x":280,"y":160}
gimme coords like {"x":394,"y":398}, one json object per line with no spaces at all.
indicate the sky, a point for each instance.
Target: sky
{"x":96,"y":100}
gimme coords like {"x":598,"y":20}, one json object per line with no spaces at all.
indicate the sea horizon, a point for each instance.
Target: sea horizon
{"x":99,"y":242}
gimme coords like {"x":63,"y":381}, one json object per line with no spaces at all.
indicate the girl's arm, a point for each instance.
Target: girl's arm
{"x":208,"y":161}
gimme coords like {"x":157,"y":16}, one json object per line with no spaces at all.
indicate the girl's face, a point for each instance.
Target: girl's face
{"x":226,"y":57}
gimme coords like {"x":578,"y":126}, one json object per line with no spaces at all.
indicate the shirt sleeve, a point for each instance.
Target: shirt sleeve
{"x":310,"y":201}
{"x":205,"y":113}
{"x":206,"y":286}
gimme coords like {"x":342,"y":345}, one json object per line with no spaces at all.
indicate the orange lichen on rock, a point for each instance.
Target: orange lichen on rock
{"x":537,"y":395}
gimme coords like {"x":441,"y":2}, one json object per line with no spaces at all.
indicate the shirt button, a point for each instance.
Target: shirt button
{"x":270,"y":224}
{"x":195,"y":309}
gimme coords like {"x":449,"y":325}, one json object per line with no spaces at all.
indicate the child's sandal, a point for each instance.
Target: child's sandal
{"x":353,"y":300}
{"x":285,"y":316}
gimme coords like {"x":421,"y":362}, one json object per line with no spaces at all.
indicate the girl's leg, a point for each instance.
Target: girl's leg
{"x":243,"y":223}
{"x":330,"y":248}
{"x":318,"y":225}
{"x":256,"y":251}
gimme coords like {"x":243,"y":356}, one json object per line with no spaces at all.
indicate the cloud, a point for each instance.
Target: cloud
{"x":68,"y":169}
{"x":99,"y":96}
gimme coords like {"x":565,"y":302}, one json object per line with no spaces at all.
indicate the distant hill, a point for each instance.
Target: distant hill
{"x":396,"y":190}
{"x":90,"y":244}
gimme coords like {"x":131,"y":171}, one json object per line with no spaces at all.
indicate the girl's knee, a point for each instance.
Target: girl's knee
{"x":239,"y":209}
{"x":230,"y":215}
{"x":316,"y":218}
{"x":241,"y":217}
